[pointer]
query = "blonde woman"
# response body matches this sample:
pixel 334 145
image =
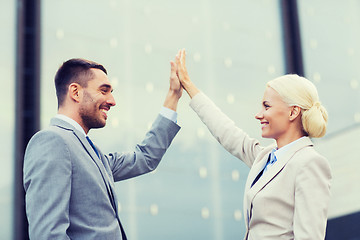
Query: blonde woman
pixel 288 186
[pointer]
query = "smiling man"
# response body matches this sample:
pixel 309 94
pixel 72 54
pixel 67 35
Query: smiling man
pixel 69 182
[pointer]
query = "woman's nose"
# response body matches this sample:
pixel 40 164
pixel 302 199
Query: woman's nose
pixel 259 115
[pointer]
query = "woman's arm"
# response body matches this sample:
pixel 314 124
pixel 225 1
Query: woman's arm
pixel 232 138
pixel 312 194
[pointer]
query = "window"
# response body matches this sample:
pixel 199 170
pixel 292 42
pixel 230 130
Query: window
pixel 233 49
pixel 7 120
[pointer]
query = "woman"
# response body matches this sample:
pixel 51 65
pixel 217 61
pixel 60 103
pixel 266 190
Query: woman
pixel 288 186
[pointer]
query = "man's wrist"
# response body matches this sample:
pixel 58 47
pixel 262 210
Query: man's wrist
pixel 169 114
pixel 174 93
pixel 172 99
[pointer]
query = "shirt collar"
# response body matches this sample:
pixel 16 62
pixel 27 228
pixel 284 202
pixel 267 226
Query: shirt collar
pixel 282 151
pixel 71 121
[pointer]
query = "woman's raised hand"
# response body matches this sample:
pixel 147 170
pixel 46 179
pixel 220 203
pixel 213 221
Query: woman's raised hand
pixel 183 75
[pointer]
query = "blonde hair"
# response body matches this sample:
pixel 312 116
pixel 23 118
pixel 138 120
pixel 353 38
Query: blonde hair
pixel 298 91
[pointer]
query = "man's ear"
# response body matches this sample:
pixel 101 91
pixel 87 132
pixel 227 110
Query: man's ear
pixel 294 113
pixel 75 91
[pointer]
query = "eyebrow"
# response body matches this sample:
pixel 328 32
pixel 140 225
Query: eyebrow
pixel 108 86
pixel 265 103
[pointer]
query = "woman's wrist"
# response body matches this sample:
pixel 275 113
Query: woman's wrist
pixel 191 89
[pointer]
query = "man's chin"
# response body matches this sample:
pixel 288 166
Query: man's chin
pixel 99 125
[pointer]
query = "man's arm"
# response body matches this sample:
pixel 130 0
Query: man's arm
pixel 47 183
pixel 148 154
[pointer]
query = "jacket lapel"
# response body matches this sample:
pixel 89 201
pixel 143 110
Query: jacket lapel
pixel 256 168
pixel 272 172
pixel 258 165
pixel 105 175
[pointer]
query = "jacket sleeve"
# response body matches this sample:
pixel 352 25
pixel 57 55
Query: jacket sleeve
pixel 47 181
pixel 232 138
pixel 146 155
pixel 312 194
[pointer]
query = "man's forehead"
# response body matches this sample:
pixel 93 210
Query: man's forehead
pixel 100 78
pixel 97 71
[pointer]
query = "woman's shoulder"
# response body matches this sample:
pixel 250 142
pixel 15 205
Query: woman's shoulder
pixel 308 159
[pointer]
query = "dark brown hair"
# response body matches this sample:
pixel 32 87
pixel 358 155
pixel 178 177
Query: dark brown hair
pixel 74 70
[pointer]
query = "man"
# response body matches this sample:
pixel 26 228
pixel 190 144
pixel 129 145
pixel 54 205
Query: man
pixel 69 182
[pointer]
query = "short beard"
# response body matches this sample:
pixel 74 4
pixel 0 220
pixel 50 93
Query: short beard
pixel 87 115
pixel 90 122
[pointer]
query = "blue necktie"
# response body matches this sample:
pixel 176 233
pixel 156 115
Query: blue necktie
pixel 271 160
pixel 123 235
pixel 93 146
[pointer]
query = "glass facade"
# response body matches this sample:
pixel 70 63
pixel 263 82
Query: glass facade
pixel 233 49
pixel 330 40
pixel 7 119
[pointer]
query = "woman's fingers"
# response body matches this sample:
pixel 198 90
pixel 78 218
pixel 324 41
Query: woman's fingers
pixel 183 57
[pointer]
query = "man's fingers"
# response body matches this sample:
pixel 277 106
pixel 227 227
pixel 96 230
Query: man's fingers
pixel 173 70
pixel 173 66
pixel 177 58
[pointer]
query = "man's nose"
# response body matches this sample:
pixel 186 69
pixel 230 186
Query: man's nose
pixel 111 100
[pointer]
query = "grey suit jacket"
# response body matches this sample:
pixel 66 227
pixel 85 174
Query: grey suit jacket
pixel 290 200
pixel 70 191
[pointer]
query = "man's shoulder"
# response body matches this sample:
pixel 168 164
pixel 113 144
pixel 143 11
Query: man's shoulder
pixel 51 133
pixel 51 130
pixel 47 144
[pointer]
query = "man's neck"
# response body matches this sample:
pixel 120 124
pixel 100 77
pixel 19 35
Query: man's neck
pixel 72 114
pixel 71 121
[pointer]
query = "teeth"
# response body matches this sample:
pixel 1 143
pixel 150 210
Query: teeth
pixel 104 110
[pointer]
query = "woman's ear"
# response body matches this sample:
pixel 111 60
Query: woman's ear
pixel 75 91
pixel 294 113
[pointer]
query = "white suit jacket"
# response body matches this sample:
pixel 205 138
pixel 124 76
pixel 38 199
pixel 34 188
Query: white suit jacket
pixel 290 200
